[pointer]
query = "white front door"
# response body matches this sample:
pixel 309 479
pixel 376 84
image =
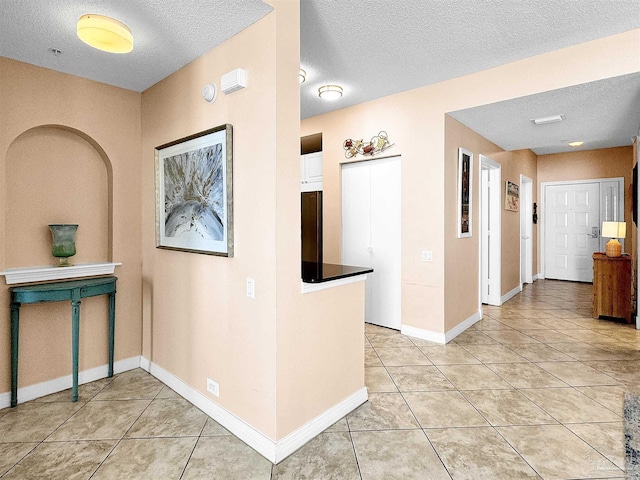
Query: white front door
pixel 371 225
pixel 572 226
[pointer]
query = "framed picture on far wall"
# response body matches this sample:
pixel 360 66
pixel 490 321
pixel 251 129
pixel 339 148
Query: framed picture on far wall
pixel 465 182
pixel 511 197
pixel 194 193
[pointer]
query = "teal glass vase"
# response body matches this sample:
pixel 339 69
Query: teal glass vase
pixel 64 242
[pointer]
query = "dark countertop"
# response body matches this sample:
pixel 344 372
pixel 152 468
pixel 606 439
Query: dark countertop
pixel 313 272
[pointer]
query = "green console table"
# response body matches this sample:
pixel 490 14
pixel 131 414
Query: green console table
pixel 72 291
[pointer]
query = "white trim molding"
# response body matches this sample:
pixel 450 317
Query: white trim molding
pixel 510 294
pixel 441 338
pixel 59 384
pixel 429 335
pixel 46 273
pixel 274 451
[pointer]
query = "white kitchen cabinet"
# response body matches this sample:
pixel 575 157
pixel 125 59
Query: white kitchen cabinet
pixel 311 172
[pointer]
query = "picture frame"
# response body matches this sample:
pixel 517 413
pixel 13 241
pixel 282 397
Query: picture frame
pixel 511 197
pixel 194 193
pixel 465 197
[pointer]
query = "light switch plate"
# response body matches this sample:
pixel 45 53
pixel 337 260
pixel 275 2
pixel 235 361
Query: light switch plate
pixel 427 256
pixel 251 288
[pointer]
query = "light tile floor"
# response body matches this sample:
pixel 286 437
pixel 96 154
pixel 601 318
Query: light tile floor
pixel 534 390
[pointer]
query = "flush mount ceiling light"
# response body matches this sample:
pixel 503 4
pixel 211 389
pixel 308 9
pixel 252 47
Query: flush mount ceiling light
pixel 576 144
pixel 105 33
pixel 545 120
pixel 330 92
pixel 302 76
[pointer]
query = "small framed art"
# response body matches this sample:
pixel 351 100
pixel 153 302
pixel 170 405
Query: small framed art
pixel 511 197
pixel 465 182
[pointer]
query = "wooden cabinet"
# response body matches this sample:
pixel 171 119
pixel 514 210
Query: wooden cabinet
pixel 612 286
pixel 311 172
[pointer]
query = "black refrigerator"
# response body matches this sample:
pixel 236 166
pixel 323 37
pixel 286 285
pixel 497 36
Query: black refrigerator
pixel 312 227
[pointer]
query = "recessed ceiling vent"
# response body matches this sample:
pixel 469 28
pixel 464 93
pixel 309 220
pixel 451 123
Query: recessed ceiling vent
pixel 550 119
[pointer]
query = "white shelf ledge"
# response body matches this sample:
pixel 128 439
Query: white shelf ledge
pixel 43 274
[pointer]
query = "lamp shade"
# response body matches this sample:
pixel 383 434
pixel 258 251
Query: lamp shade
pixel 614 229
pixel 105 33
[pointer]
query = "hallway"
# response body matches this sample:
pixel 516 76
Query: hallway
pixel 534 390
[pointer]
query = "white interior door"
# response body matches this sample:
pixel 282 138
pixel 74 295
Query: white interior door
pixel 572 226
pixel 371 226
pixel 356 223
pixel 490 231
pixel 526 229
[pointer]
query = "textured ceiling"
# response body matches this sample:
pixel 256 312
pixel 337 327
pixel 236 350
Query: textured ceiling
pixel 602 114
pixel 372 48
pixel 167 35
pixel 375 48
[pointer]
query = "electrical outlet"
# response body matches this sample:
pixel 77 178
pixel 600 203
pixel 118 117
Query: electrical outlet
pixel 427 256
pixel 251 288
pixel 213 387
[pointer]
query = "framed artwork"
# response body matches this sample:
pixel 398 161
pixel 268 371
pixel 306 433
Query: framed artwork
pixel 194 193
pixel 512 197
pixel 465 181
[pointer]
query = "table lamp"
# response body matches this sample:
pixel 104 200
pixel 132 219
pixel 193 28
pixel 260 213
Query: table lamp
pixel 614 230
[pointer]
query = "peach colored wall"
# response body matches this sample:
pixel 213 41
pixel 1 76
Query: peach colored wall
pixel 588 164
pixel 320 359
pixel 514 164
pixel 69 150
pixel 415 122
pixel 462 254
pixel 198 322
pixel 283 358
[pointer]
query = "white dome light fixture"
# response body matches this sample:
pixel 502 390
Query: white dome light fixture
pixel 330 92
pixel 105 33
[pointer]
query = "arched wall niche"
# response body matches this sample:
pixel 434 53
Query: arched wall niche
pixel 57 174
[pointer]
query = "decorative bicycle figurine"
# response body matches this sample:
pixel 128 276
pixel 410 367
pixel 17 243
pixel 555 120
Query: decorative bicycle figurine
pixel 378 144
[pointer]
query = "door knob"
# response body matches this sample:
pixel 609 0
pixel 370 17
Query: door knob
pixel 370 250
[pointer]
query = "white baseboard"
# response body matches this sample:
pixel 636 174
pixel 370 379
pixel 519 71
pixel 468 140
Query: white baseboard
pixel 423 334
pixel 59 384
pixel 441 337
pixel 461 327
pixel 509 295
pixel 145 364
pixel 309 430
pixel 536 277
pixel 267 447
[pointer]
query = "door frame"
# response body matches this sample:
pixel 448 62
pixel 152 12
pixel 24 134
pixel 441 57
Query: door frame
pixel 494 204
pixel 526 220
pixel 543 209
